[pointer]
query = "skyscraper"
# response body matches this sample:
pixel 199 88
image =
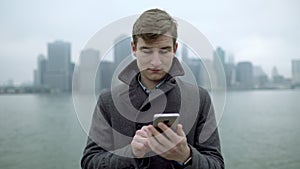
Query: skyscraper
pixel 122 49
pixel 105 71
pixel 58 73
pixel 184 53
pixel 89 60
pixel 296 72
pixel 219 66
pixel 220 53
pixel 244 75
pixel 230 74
pixel 39 77
pixel 198 67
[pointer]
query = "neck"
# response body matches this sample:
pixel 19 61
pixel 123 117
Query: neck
pixel 149 84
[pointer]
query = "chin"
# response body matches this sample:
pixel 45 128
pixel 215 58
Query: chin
pixel 156 77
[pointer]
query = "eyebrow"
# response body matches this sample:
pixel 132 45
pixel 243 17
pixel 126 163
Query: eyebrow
pixel 144 47
pixel 163 48
pixel 167 48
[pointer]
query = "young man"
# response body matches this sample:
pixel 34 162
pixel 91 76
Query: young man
pixel 122 135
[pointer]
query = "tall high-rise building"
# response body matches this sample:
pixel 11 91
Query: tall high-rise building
pixel 244 75
pixel 39 73
pixel 122 49
pixel 206 79
pixel 58 73
pixel 89 60
pixel 230 74
pixel 184 53
pixel 72 68
pixel 106 70
pixel 220 53
pixel 219 66
pixel 198 67
pixel 296 72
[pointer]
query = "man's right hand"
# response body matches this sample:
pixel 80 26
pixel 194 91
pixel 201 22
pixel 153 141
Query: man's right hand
pixel 139 143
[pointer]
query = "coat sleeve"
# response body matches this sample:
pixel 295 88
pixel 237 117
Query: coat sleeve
pixel 206 150
pixel 99 152
pixel 96 157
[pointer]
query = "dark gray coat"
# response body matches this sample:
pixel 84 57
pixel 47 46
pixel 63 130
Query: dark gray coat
pixel 126 108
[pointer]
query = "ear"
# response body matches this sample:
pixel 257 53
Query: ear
pixel 175 48
pixel 133 48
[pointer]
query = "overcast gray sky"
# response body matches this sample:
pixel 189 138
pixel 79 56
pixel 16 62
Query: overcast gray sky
pixel 263 32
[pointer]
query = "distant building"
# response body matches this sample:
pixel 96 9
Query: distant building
pixel 260 77
pixel 276 77
pixel 230 74
pixel 39 73
pixel 279 81
pixel 198 67
pixel 57 76
pixel 35 78
pixel 106 70
pixel 244 75
pixel 89 60
pixel 205 78
pixel 122 49
pixel 184 53
pixel 219 66
pixel 220 53
pixel 72 68
pixel 296 72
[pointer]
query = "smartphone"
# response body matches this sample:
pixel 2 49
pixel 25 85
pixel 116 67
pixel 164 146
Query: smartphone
pixel 170 119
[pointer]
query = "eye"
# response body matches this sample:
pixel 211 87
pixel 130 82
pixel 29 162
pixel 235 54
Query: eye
pixel 164 51
pixel 147 51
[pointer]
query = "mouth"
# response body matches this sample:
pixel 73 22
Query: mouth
pixel 154 70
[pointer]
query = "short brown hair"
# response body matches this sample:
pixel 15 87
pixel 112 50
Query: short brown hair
pixel 152 24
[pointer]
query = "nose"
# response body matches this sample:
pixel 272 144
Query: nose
pixel 155 59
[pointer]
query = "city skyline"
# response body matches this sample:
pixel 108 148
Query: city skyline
pixel 222 54
pixel 55 71
pixel 263 32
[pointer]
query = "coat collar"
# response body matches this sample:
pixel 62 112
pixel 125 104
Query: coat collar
pixel 131 71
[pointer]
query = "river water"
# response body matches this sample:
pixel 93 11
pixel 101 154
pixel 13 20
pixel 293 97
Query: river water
pixel 259 130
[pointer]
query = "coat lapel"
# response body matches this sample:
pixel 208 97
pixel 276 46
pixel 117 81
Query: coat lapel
pixel 135 98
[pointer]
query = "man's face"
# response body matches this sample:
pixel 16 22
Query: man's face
pixel 154 59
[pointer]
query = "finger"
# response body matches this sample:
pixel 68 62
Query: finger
pixel 138 145
pixel 158 148
pixel 168 132
pixel 144 128
pixel 160 138
pixel 138 149
pixel 141 133
pixel 180 131
pixel 141 140
pixel 152 131
pixel 155 146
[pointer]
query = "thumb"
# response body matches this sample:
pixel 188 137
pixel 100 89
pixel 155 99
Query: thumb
pixel 180 131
